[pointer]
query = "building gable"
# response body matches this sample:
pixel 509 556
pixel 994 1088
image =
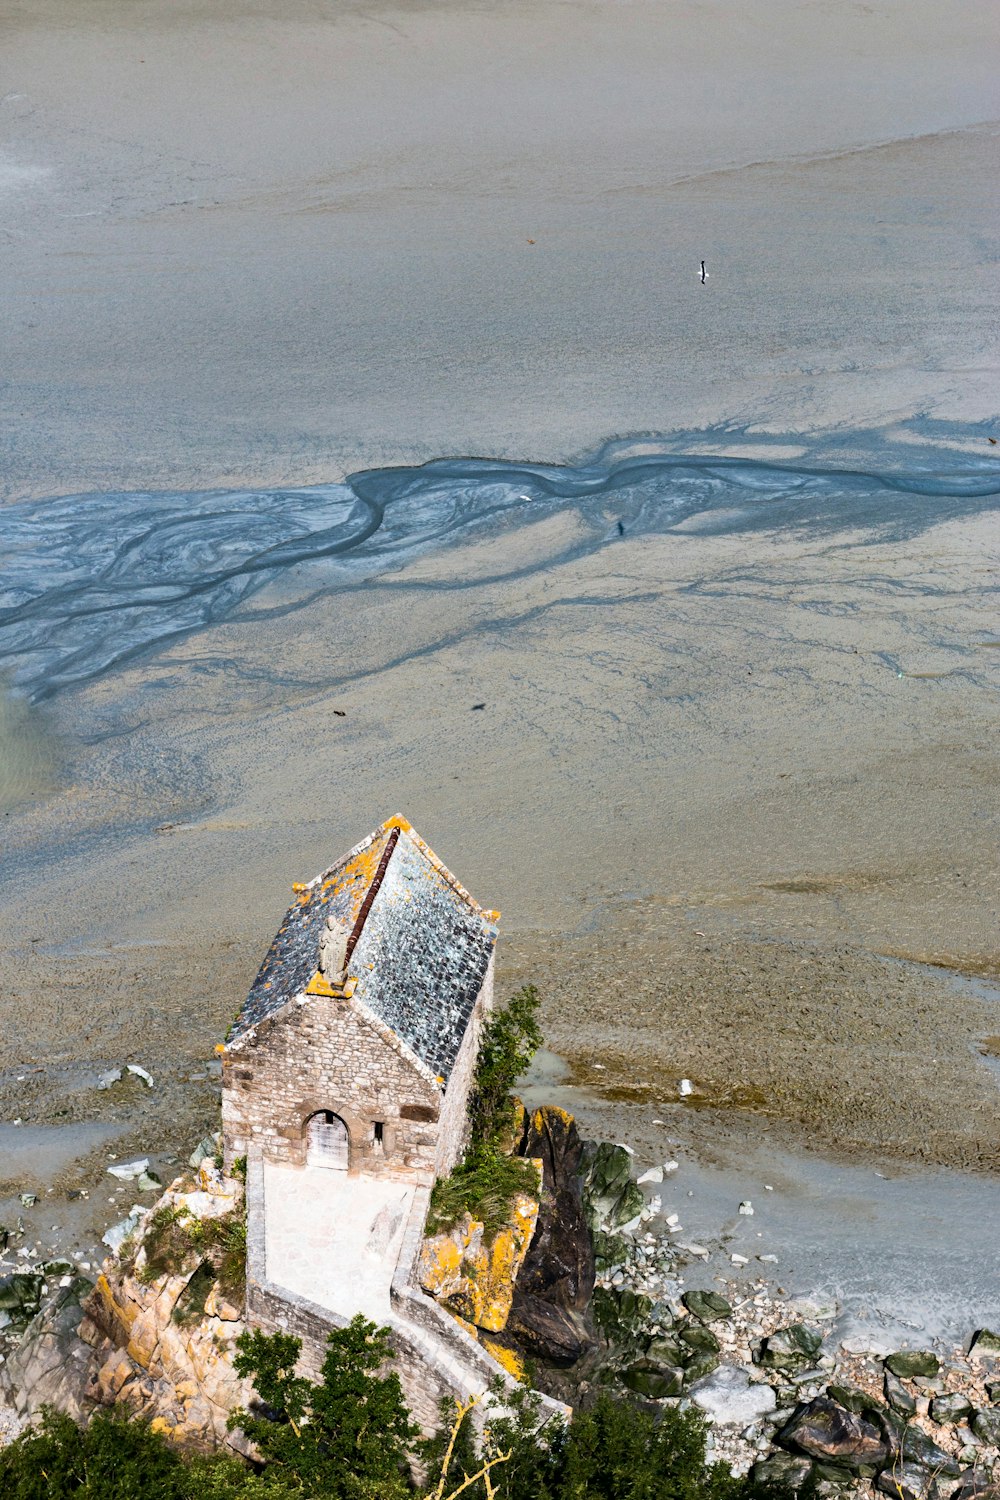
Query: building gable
pixel 417 945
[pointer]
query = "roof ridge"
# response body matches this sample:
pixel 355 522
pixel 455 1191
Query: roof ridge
pixel 398 821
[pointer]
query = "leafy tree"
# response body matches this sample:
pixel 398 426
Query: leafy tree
pixel 346 1438
pixel 112 1456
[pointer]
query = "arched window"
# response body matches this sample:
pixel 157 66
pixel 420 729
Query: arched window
pixel 327 1141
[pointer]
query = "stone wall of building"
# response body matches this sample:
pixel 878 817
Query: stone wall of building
pixel 453 1128
pixel 325 1054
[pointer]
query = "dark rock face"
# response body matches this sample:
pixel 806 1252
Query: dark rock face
pixel 555 1335
pixel 824 1430
pixel 549 1313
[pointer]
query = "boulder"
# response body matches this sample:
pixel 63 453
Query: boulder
pixel 913 1363
pixel 665 1351
pixel 986 1425
pixel 950 1408
pixel 790 1349
pixel 783 1470
pixel 731 1399
pixel 976 1484
pixel 653 1380
pixel 898 1396
pixel 985 1344
pixel 605 1169
pixel 707 1307
pixel 824 1430
pixel 621 1314
pixel 701 1363
pixel 851 1397
pixel 919 1448
pixel 905 1481
pixel 697 1337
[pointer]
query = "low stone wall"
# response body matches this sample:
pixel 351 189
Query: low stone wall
pixel 435 1357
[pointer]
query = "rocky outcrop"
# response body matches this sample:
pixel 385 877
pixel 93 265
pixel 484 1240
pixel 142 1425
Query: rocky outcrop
pixel 474 1277
pixel 50 1366
pixel 156 1338
pixel 161 1327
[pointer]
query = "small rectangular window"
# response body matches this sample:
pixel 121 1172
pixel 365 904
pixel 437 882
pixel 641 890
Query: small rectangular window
pixel 378 1133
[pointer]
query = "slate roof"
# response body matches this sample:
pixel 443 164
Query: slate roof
pixel 421 944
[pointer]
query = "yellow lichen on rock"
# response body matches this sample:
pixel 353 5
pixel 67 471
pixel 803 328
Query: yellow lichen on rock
pixel 510 1361
pixel 475 1281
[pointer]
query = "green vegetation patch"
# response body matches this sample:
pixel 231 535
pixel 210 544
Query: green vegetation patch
pixel 489 1178
pixel 174 1239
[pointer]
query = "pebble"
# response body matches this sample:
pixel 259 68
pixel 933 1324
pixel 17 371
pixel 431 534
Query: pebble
pixel 746 1208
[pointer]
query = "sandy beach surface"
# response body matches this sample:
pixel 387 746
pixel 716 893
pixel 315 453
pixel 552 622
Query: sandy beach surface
pixel 734 788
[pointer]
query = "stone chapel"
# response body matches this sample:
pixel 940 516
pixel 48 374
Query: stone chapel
pixel 356 1046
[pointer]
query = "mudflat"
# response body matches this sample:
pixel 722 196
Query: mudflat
pixel 734 790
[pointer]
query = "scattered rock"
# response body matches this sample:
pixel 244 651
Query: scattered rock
pixel 953 1407
pixel 730 1397
pixel 910 1363
pixel 985 1344
pixel 138 1072
pixel 108 1079
pixel 651 1174
pixel 898 1396
pixel 116 1236
pixel 746 1208
pixel 127 1171
pixel 205 1148
pixel 707 1307
pixel 791 1349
